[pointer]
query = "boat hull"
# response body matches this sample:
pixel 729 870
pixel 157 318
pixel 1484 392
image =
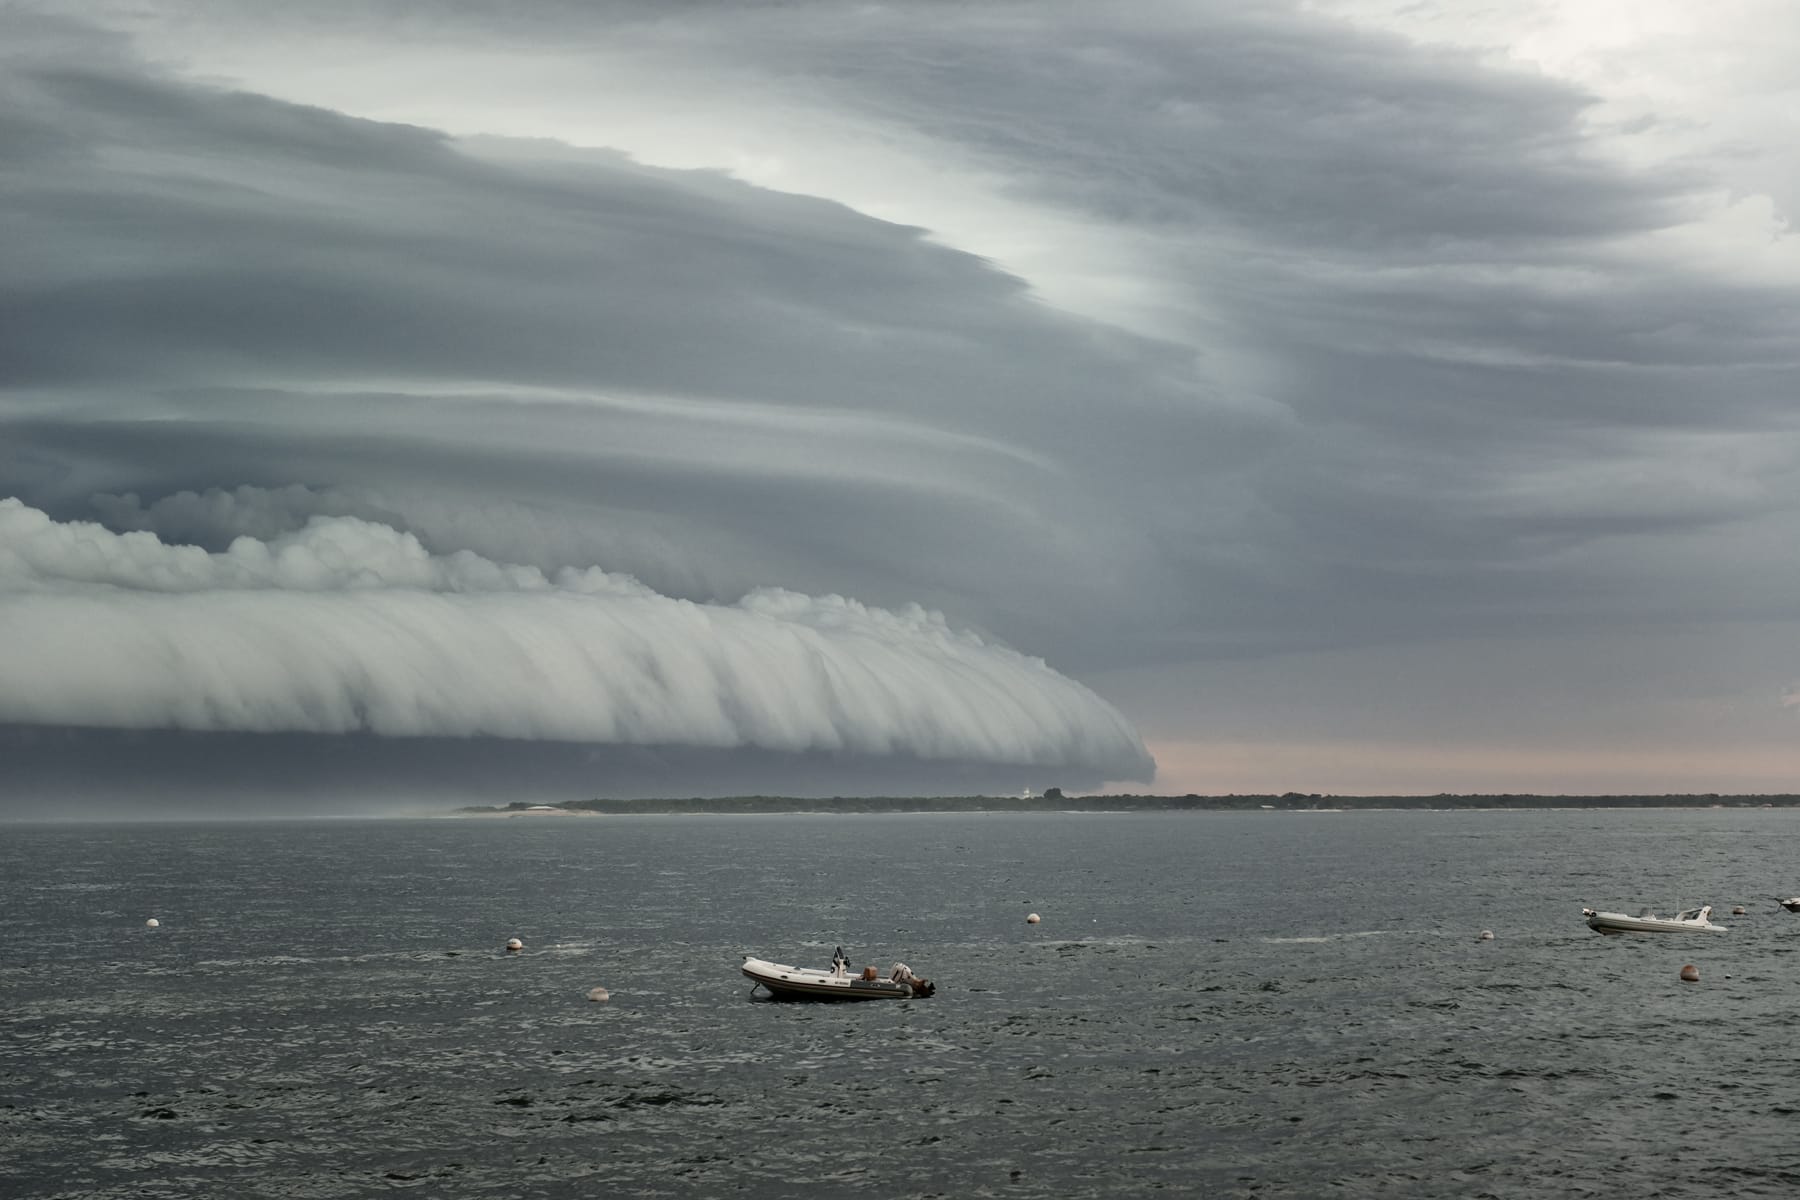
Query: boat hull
pixel 1618 924
pixel 804 983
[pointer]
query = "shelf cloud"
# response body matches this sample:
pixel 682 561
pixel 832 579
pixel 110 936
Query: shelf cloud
pixel 347 627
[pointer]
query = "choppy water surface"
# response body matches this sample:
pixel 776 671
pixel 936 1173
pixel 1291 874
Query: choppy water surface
pixel 1214 1004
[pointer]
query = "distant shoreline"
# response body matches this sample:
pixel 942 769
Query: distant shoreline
pixel 1056 802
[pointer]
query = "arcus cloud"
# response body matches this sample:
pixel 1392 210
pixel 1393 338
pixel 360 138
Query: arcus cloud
pixel 348 626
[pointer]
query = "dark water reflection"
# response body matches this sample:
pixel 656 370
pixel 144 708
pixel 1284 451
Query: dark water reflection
pixel 1215 1004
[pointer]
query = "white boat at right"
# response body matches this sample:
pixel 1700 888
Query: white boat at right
pixel 1692 920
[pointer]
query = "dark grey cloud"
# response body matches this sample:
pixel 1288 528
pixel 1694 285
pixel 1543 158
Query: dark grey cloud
pixel 1252 119
pixel 1425 361
pixel 688 328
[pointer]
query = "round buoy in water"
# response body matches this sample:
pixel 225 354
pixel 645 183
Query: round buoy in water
pixel 514 945
pixel 600 994
pixel 152 923
pixel 1032 919
pixel 1737 910
pixel 1486 935
pixel 1690 974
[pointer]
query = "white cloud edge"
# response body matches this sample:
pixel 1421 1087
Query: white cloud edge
pixel 348 625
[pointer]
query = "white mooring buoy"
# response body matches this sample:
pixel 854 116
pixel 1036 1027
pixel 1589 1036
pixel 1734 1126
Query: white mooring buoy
pixel 152 923
pixel 514 945
pixel 600 995
pixel 1032 919
pixel 1486 935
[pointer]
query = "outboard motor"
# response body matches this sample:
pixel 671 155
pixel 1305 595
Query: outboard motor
pixel 904 974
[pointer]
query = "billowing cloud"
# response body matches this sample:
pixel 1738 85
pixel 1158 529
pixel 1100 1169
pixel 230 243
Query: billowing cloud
pixel 706 384
pixel 349 627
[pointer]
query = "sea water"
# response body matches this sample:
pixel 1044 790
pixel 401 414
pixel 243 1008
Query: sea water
pixel 1214 1004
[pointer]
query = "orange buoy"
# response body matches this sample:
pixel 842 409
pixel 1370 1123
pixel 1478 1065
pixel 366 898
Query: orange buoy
pixel 1690 974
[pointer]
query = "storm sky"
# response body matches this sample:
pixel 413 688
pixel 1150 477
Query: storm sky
pixel 623 399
